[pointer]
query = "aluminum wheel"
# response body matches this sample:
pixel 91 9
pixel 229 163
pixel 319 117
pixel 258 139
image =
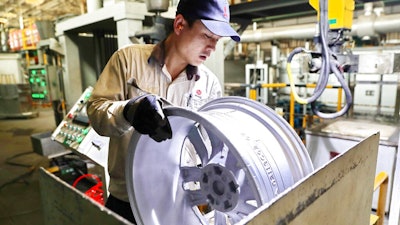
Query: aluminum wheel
pixel 224 161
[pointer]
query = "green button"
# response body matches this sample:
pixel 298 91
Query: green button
pixel 79 139
pixel 85 131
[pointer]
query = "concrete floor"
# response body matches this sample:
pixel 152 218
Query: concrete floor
pixel 20 201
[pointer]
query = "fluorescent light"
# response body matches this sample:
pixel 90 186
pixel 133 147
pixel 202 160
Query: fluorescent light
pixel 34 2
pixel 3 20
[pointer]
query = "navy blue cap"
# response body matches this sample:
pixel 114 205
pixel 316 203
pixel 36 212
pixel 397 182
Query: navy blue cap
pixel 214 14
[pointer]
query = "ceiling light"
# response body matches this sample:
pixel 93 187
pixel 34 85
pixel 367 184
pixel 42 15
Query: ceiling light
pixel 8 15
pixel 3 20
pixel 34 2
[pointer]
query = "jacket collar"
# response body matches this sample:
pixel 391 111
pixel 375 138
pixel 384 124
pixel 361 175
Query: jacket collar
pixel 157 57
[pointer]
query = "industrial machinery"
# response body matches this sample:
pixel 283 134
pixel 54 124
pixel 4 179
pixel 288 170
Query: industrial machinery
pixel 15 101
pixel 15 97
pixel 161 26
pixel 335 17
pixel 76 133
pixel 225 161
pixel 44 82
pixel 376 88
pixel 371 72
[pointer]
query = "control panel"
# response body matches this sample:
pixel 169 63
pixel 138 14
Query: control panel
pixel 76 133
pixel 44 83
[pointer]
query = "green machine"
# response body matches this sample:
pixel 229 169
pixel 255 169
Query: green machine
pixel 44 82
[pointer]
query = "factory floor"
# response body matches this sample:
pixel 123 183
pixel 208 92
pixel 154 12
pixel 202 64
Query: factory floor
pixel 20 201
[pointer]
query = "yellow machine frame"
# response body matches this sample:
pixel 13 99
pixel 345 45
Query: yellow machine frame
pixel 340 13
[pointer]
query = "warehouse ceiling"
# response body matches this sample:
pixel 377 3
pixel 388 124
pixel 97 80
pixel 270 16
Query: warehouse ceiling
pixel 11 11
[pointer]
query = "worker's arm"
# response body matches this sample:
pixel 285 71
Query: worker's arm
pixel 109 97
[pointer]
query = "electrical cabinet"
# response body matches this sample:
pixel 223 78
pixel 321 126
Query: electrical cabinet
pixel 44 83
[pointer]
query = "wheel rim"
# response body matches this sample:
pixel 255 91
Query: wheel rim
pixel 224 161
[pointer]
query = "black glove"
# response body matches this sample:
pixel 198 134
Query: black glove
pixel 146 115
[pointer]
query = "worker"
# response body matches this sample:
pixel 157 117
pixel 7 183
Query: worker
pixel 141 79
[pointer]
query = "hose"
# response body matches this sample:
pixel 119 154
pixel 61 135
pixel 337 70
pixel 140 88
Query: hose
pixel 326 67
pixel 320 86
pixel 347 93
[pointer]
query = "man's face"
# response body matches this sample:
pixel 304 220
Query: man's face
pixel 197 43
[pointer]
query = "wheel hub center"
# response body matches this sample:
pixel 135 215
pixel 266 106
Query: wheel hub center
pixel 220 187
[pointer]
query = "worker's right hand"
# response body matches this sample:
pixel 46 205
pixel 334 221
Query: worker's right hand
pixel 146 115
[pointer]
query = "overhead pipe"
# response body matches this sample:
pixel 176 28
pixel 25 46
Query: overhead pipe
pixel 363 26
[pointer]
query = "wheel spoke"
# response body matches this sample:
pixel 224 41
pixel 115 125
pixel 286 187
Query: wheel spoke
pixel 220 157
pixel 220 218
pixel 190 173
pixel 198 142
pixel 207 144
pixel 246 193
pixel 240 178
pixel 234 217
pixel 244 208
pixel 196 197
pixel 216 144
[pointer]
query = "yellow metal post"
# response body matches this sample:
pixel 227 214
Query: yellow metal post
pixel 291 109
pixel 381 182
pixel 339 101
pixel 253 94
